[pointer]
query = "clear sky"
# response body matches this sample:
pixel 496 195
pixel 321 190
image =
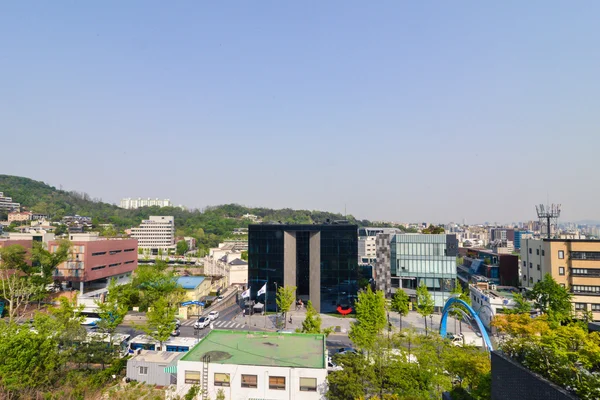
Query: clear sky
pixel 400 110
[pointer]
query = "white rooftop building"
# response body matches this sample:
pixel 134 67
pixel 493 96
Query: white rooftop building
pixel 157 232
pixel 129 203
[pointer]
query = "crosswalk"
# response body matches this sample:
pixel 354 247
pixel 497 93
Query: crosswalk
pixel 217 324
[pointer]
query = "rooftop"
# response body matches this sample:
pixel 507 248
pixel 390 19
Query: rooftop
pixel 162 357
pixel 190 282
pixel 298 350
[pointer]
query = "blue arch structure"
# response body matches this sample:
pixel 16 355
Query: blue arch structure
pixel 448 306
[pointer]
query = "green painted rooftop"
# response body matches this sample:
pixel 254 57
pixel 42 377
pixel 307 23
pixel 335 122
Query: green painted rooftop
pixel 298 350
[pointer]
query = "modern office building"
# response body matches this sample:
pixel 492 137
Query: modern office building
pixel 256 365
pixel 321 261
pixel 7 204
pixel 574 264
pixel 157 232
pixel 406 260
pixel 367 249
pixel 130 203
pixel 95 260
pixel 519 235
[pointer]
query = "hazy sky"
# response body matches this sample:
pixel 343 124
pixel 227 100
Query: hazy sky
pixel 402 110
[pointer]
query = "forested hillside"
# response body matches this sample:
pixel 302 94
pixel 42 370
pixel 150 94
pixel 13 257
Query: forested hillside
pixel 208 226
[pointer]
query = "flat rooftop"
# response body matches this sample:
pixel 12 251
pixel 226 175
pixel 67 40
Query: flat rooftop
pixel 297 350
pixel 161 357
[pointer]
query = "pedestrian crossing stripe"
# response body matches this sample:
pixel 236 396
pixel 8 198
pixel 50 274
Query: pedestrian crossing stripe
pixel 216 324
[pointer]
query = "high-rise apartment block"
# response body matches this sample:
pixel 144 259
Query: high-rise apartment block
pixel 574 264
pixel 95 260
pixel 407 260
pixel 321 261
pixel 7 204
pixel 155 233
pixel 130 203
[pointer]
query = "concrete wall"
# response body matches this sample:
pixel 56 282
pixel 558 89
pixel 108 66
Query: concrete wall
pixel 235 391
pixel 289 259
pixel 156 373
pixel 315 269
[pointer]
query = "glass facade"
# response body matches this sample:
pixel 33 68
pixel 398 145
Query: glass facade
pixel 417 258
pixel 338 255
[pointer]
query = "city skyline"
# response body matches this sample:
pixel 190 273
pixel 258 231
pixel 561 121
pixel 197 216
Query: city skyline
pixel 390 111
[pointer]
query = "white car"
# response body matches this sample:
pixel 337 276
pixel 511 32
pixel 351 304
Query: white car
pixel 213 315
pixel 202 323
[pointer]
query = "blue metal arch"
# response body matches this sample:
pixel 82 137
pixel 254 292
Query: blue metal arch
pixel 444 321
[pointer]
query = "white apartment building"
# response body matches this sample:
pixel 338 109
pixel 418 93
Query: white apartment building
pixel 256 365
pixel 130 203
pixel 7 204
pixel 155 233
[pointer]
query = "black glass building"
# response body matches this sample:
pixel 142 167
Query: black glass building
pixel 321 261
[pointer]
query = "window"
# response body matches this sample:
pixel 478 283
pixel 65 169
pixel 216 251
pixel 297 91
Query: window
pixel 595 307
pixel 143 370
pixel 538 267
pixel 277 382
pixel 249 381
pixel 580 306
pixel 525 278
pixel 530 265
pixel 543 253
pixel 97 268
pixel 100 253
pixel 561 254
pixel 562 285
pixel 594 290
pixel 585 255
pixel 537 252
pixel 525 263
pixel 192 377
pixel 530 250
pixel 561 270
pixel 308 384
pixel 530 280
pixel 222 379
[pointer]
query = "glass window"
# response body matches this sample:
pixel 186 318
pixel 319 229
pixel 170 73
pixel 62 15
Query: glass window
pixel 537 252
pixel 595 307
pixel 561 254
pixel 561 270
pixel 143 370
pixel 221 379
pixel 277 382
pixel 580 306
pixel 543 253
pixel 249 381
pixel 192 377
pixel 538 267
pixel 530 250
pixel 308 384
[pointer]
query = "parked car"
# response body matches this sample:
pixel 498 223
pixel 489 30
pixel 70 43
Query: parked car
pixel 177 323
pixel 176 332
pixel 202 323
pixel 219 298
pixel 345 350
pixel 213 315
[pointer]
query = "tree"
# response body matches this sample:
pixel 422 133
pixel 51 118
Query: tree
pixel 15 286
pixel 49 260
pixel 552 299
pixel 312 321
pixel 182 247
pixel 111 312
pixel 286 295
pixel 425 303
pixel 522 305
pixel 400 303
pixel 244 255
pixel 370 318
pixel 161 320
pixel 433 230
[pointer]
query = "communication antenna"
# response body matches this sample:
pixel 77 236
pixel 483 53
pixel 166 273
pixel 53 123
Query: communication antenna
pixel 548 216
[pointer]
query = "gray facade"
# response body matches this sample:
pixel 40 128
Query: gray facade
pixel 383 272
pixel 149 367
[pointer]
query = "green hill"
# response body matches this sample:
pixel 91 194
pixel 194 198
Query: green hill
pixel 208 227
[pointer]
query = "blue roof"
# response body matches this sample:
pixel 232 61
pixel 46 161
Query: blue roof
pixel 190 282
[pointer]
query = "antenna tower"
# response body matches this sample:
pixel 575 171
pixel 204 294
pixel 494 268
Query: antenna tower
pixel 548 216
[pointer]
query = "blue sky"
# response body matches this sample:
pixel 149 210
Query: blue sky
pixel 401 111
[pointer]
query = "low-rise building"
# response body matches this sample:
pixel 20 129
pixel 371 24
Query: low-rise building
pixel 94 260
pixel 196 288
pixel 265 365
pixel 238 272
pixel 574 264
pixel 157 233
pixel 19 216
pixel 7 204
pixel 488 300
pixel 151 367
pixel 497 268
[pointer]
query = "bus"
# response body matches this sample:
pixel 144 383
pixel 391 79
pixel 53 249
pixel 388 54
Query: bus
pixel 119 340
pixel 173 344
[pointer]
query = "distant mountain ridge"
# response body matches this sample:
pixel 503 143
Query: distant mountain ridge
pixel 209 226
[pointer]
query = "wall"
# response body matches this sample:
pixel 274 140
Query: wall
pixel 511 381
pixel 156 373
pixel 236 392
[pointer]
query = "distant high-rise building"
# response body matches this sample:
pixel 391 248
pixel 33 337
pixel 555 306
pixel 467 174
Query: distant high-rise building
pixel 130 203
pixel 157 232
